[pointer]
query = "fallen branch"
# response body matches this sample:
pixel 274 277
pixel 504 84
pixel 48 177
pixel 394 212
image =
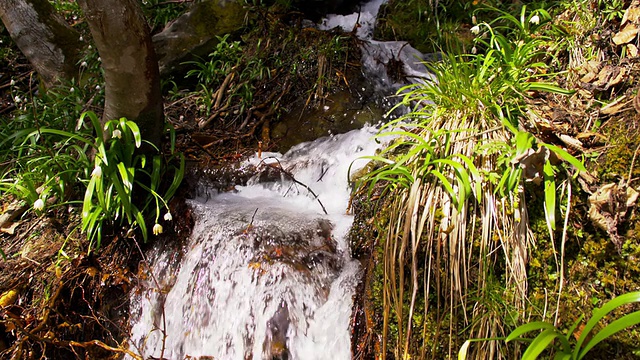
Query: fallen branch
pixel 292 178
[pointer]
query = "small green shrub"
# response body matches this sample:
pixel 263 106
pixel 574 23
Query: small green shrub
pixel 50 167
pixel 119 169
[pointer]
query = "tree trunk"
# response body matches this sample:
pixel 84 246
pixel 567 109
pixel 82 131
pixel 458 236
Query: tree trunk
pixel 132 80
pixel 43 36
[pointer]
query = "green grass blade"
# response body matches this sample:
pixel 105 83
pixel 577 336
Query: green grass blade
pixel 610 330
pixel 542 342
pixel 550 194
pixel 603 311
pixel 564 155
pixel 527 328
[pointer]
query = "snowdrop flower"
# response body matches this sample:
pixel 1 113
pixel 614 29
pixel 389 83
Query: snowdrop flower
pixel 98 87
pixel 38 204
pixel 475 30
pixel 97 172
pixel 157 229
pixel 116 134
pixel 474 50
pixel 535 19
pixel 99 59
pixel 81 38
pixel 72 90
pixel 83 64
pixel 168 216
pixel 13 82
pixel 474 20
pixel 17 100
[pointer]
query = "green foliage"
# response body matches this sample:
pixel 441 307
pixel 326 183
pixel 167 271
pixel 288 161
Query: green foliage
pixel 566 348
pixel 465 150
pixel 47 163
pixel 428 26
pixel 120 171
pixel 424 158
pixel 159 12
pixel 226 56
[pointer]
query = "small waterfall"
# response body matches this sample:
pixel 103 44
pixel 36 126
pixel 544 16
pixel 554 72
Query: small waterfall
pixel 266 274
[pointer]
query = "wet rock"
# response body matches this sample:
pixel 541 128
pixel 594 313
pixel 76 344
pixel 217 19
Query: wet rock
pixel 275 343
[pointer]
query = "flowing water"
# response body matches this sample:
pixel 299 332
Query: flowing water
pixel 267 272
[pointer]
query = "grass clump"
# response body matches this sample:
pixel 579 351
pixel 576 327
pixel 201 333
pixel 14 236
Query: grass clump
pixel 465 152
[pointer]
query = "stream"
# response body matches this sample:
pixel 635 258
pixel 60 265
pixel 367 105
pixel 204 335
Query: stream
pixel 267 272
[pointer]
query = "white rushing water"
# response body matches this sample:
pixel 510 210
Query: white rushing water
pixel 266 273
pixel 265 269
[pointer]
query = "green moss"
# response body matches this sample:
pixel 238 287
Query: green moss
pixel 594 270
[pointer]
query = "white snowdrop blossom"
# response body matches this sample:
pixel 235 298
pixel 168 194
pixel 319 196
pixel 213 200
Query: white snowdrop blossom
pixel 535 19
pixel 168 216
pixel 38 204
pixel 17 100
pixel 13 82
pixel 98 87
pixel 474 50
pixel 157 229
pixel 97 172
pixel 83 64
pixel 475 30
pixel 474 20
pixel 72 90
pixel 81 38
pixel 116 134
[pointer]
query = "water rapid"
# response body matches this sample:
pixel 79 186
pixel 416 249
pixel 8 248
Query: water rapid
pixel 266 273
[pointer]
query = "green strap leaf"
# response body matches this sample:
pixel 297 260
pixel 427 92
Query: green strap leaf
pixel 527 328
pixel 603 311
pixel 611 329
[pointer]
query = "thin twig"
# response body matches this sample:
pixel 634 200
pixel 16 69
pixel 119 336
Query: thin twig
pixel 633 162
pixel 292 178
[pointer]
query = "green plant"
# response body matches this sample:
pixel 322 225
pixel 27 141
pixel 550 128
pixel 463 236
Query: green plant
pixel 462 154
pixel 566 347
pixel 123 186
pixel 222 60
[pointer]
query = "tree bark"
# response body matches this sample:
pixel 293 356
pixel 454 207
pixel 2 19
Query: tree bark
pixel 44 37
pixel 132 79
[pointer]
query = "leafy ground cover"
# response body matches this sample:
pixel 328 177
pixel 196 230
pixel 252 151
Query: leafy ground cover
pixel 510 198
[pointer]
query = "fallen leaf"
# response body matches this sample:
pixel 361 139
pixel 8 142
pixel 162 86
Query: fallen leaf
pixel 625 35
pixel 10 227
pixel 8 297
pixel 619 76
pixel 632 14
pixel 590 70
pixel 632 50
pixel 608 207
pixel 571 142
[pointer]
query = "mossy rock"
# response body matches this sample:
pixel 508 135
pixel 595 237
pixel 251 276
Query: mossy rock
pixel 196 32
